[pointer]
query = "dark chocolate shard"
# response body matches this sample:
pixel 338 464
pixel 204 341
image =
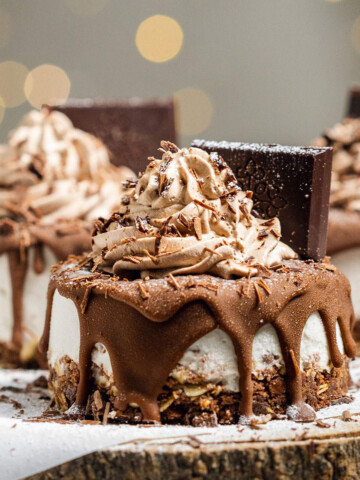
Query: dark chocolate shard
pixel 131 129
pixel 292 183
pixel 353 106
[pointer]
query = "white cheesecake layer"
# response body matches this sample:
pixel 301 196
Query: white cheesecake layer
pixel 34 298
pixel 348 262
pixel 212 357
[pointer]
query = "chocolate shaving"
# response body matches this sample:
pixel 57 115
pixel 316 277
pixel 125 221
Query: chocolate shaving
pixel 86 299
pixel 181 219
pixel 143 292
pixel 98 227
pixel 197 228
pixel 244 289
pixel 258 293
pixel 210 250
pixel 96 264
pixel 127 240
pixel 132 259
pixel 295 364
pixel 152 258
pixel 83 277
pixel 143 224
pixel 276 234
pixel 346 416
pixel 204 205
pixel 264 286
pixel 208 286
pixel 169 146
pixel 263 234
pixel 130 183
pixel 173 281
pixel 268 223
pixel 322 424
pixel 165 254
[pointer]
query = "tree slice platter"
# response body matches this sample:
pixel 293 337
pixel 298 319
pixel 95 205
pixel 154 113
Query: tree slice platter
pixel 45 448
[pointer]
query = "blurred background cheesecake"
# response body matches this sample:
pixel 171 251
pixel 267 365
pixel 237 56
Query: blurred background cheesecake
pixel 54 181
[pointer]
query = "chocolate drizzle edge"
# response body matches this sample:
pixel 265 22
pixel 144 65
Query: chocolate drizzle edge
pixel 146 337
pixel 12 244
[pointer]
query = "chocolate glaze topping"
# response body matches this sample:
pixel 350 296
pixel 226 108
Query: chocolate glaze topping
pixel 147 325
pixel 16 238
pixel 54 181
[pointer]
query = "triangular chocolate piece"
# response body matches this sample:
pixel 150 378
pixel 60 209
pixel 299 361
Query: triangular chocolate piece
pixel 292 183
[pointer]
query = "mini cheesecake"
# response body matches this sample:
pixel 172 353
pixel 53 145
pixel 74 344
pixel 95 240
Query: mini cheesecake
pixel 54 181
pixel 189 310
pixel 344 217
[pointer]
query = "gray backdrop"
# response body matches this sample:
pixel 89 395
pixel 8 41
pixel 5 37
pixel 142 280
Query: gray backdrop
pixel 275 70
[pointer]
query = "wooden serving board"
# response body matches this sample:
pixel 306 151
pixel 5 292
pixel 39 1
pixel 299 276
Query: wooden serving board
pixel 280 449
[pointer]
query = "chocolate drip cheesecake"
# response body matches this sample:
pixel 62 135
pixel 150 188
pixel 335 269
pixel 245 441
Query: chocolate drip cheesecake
pixel 344 217
pixel 191 310
pixel 54 181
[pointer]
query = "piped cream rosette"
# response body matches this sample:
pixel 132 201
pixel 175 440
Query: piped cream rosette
pixel 58 170
pixel 187 215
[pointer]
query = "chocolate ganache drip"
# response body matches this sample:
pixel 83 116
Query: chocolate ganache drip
pixel 187 216
pixel 54 181
pixel 147 325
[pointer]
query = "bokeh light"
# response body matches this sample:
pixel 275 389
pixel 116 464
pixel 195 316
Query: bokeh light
pixel 194 111
pixel 355 34
pixel 86 8
pixel 12 78
pixel 5 27
pixel 159 38
pixel 2 109
pixel 47 84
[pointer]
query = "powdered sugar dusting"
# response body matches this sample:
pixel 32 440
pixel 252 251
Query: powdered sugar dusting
pixel 28 447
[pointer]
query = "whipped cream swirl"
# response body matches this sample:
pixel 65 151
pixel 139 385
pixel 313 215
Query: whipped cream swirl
pixel 187 215
pixel 58 170
pixel 344 137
